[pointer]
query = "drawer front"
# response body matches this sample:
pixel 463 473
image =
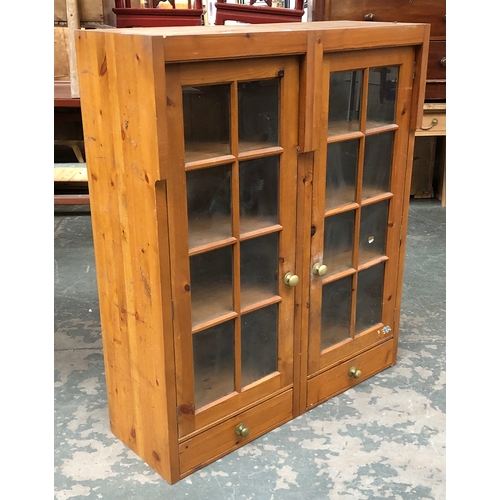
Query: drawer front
pixel 416 11
pixel 337 379
pixel 221 439
pixel 432 124
pixel 435 90
pixel 436 67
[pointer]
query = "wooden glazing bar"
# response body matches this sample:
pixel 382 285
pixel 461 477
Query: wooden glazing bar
pixel 378 128
pixel 260 152
pixel 377 198
pixel 212 246
pixel 372 262
pixel 348 207
pixel 261 232
pixel 344 137
pixel 213 322
pixel 260 304
pixel 338 276
pixel 210 162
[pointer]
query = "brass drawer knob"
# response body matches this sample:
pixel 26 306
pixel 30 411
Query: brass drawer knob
pixel 369 17
pixel 291 279
pixel 354 372
pixel 242 430
pixel 320 269
pixel 442 62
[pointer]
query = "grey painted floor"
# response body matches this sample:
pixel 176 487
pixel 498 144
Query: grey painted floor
pixel 383 439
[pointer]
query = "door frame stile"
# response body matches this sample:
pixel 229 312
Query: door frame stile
pixel 311 117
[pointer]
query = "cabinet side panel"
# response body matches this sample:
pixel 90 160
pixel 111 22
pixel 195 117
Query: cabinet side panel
pixel 119 76
pixel 96 116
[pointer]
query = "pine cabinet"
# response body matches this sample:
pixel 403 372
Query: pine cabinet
pixel 249 192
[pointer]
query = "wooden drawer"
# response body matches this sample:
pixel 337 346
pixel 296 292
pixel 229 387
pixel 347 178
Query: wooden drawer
pixel 337 379
pixel 436 66
pixel 433 120
pixel 416 11
pixel 215 442
pixel 435 90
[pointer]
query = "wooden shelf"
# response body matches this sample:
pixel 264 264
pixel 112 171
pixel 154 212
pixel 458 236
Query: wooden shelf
pixel 62 95
pixel 70 178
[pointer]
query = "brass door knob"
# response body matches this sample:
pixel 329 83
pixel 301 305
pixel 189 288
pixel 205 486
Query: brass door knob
pixel 242 430
pixel 291 279
pixel 320 269
pixel 354 372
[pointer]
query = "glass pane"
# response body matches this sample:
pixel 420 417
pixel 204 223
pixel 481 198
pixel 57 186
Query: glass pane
pixel 258 114
pixel 213 358
pixel 209 204
pixel 336 312
pixel 341 169
pixel 211 284
pixel 337 252
pixel 373 231
pixel 382 87
pixel 259 193
pixel 377 164
pixel 259 344
pixel 344 104
pixel 206 121
pixel 259 269
pixel 369 299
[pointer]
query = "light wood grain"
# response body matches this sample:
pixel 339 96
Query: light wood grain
pixel 142 408
pixel 131 90
pixel 70 174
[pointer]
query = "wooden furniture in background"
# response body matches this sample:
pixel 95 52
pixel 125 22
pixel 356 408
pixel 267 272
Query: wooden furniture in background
pixel 249 210
pixel 257 14
pixel 70 186
pixel 129 17
pixel 429 170
pixel 73 13
pixel 429 161
pixel 92 13
pixel 432 12
pixel 70 179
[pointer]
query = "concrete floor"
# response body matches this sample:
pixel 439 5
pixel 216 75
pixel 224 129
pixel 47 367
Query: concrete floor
pixel 383 439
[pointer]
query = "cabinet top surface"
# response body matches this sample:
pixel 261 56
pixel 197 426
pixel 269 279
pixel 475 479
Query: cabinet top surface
pixel 197 43
pixel 176 31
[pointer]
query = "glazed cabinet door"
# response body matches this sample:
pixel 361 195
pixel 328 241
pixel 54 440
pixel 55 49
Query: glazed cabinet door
pixel 357 206
pixel 231 215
